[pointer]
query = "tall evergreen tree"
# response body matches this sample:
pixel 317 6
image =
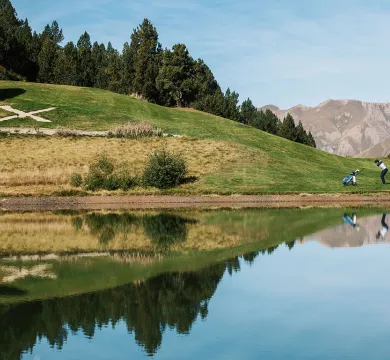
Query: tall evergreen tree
pixel 47 59
pixel 114 69
pixel 176 76
pixel 231 110
pixel 310 140
pixel 65 71
pixel 14 40
pixel 287 129
pixel 300 134
pixel 84 61
pixel 54 32
pixel 99 64
pixel 145 50
pixel 128 71
pixel 272 123
pixel 248 112
pixel 204 80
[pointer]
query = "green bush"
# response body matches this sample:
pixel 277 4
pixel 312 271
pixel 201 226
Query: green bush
pixel 165 170
pixel 99 173
pixel 76 180
pixel 103 174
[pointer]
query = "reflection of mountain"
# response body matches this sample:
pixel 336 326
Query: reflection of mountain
pixel 173 300
pixel 347 236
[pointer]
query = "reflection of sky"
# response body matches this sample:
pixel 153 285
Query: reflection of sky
pixel 308 303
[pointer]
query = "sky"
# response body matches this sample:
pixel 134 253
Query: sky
pixel 281 52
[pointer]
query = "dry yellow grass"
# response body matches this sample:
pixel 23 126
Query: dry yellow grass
pixel 51 233
pixel 45 164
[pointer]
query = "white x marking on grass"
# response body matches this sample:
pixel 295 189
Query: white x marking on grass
pixel 21 114
pixel 14 273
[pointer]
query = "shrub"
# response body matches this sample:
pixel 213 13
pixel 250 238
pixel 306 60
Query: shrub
pixel 135 131
pixel 65 132
pixel 76 180
pixel 124 179
pixel 165 170
pixel 103 174
pixel 99 174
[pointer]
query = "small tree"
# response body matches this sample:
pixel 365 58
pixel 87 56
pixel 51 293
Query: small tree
pixel 165 170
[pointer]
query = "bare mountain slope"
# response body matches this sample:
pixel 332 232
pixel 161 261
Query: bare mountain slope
pixel 343 127
pixel 380 150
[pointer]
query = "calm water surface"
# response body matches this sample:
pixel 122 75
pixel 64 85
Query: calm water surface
pixel 297 294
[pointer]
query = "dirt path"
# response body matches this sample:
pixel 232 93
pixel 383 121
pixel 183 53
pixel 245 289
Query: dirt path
pixel 117 202
pixel 50 132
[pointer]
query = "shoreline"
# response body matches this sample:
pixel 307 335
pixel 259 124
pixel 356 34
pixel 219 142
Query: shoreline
pixel 150 202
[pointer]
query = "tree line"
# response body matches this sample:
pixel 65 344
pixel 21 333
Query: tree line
pixel 168 77
pixel 172 300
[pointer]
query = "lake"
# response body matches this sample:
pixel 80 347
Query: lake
pixel 216 284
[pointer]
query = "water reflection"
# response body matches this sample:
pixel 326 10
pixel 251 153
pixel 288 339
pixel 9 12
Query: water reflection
pixel 164 229
pixel 173 300
pixel 355 232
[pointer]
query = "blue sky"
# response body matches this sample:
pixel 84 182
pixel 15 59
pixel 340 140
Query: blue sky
pixel 280 52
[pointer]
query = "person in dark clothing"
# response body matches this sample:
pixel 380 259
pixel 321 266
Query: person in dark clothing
pixel 380 164
pixel 385 228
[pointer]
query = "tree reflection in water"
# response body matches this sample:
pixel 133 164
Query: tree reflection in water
pixel 164 229
pixel 174 300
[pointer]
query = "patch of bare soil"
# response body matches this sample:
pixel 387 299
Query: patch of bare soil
pixel 119 202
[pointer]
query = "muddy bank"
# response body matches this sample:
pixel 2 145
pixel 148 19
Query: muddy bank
pixel 117 202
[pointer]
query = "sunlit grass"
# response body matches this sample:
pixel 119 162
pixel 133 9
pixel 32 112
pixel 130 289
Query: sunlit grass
pixel 234 158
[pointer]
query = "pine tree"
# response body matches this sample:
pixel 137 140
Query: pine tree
pixel 287 129
pixel 47 60
pixel 65 71
pixel 248 112
pixel 145 50
pixel 176 76
pixel 310 140
pixel 84 61
pixel 204 81
pixel 231 110
pixel 128 71
pixel 14 54
pixel 114 69
pixel 213 104
pixel 53 32
pixel 271 122
pixel 300 134
pixel 99 58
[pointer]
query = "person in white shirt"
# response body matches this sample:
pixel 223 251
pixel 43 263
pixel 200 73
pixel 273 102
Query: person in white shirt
pixel 384 169
pixel 385 228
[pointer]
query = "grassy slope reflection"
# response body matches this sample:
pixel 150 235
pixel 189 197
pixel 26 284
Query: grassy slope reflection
pixel 141 245
pixel 174 300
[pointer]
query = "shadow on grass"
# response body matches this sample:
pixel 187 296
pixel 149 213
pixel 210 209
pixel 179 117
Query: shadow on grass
pixel 189 180
pixel 10 93
pixel 11 291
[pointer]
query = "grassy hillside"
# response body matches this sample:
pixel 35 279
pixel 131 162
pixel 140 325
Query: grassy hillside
pixel 239 159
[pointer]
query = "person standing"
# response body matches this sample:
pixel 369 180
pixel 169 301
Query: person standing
pixel 384 169
pixel 385 228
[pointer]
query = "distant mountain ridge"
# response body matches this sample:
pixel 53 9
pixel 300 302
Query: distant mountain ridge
pixel 343 127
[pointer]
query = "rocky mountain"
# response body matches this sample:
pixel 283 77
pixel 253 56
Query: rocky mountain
pixel 343 127
pixel 380 150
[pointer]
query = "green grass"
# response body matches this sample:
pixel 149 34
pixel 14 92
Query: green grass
pixel 277 165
